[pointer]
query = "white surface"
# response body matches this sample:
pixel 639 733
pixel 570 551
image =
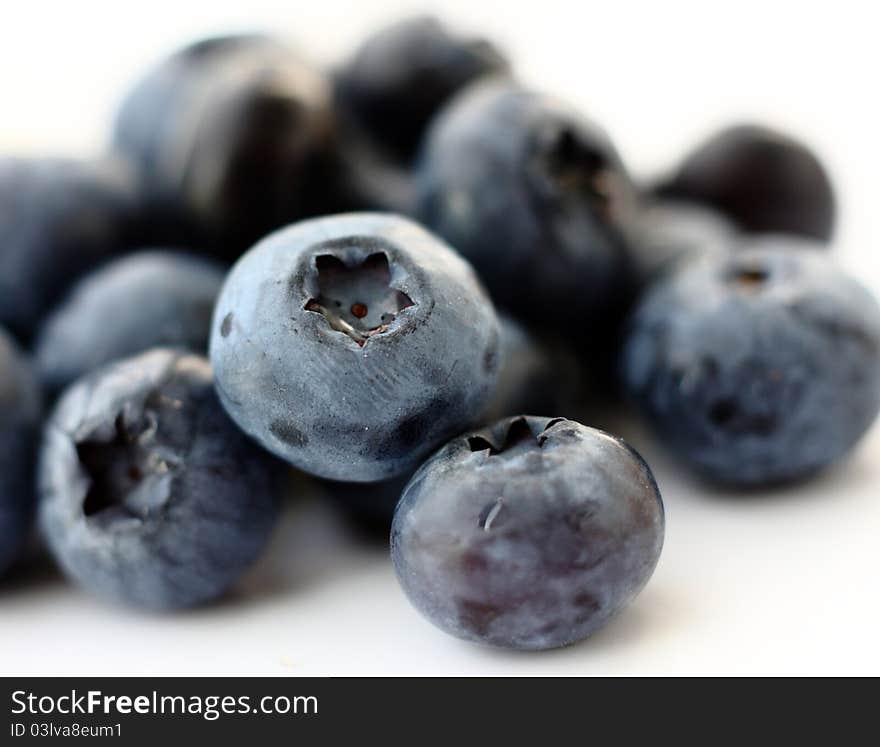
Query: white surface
pixel 785 583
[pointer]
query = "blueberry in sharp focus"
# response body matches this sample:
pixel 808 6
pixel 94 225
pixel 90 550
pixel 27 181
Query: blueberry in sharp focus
pixel 153 298
pixel 536 197
pixel 226 136
pixel 763 180
pixel 58 219
pixel 760 366
pixel 149 494
pixel 529 534
pixel 353 345
pixel 402 75
pixel 19 424
pixel 668 233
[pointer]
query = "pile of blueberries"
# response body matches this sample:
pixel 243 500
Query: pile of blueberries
pixel 277 267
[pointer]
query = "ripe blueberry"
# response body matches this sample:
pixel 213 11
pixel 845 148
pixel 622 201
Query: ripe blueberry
pixel 763 180
pixel 353 345
pixel 536 198
pixel 402 75
pixel 225 135
pixel 145 300
pixel 759 366
pixel 149 494
pixel 529 534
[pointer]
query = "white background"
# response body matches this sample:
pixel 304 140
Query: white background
pixel 783 583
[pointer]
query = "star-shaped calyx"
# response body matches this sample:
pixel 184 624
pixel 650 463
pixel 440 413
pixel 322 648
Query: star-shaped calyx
pixel 516 434
pixel 357 301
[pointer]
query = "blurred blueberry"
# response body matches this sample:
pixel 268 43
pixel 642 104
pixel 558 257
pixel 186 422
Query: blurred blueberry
pixel 155 298
pixel 536 197
pixel 19 425
pixel 149 494
pixel 353 345
pixel 58 219
pixel 760 366
pixel 403 74
pixel 529 534
pixel 225 136
pixel 763 180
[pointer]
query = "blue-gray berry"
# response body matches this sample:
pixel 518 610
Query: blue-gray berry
pixel 759 366
pixel 155 298
pixel 354 345
pixel 529 534
pixel 149 494
pixel 536 197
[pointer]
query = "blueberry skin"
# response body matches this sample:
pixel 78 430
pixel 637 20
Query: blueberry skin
pixel 58 219
pixel 529 534
pixel 153 298
pixel 759 367
pixel 348 397
pixel 671 232
pixel 19 425
pixel 149 495
pixel 402 75
pixel 225 137
pixel 533 195
pixel 763 180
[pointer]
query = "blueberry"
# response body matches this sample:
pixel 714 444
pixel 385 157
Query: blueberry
pixel 760 366
pixel 225 135
pixel 670 232
pixel 353 345
pixel 402 75
pixel 19 423
pixel 58 219
pixel 763 180
pixel 535 197
pixel 149 495
pixel 529 534
pixel 145 300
